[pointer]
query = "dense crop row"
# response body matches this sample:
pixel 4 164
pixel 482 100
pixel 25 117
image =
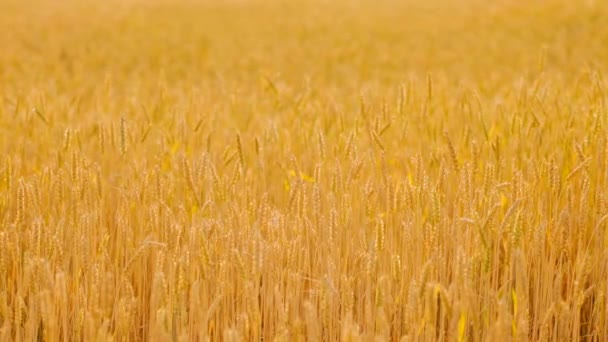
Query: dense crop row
pixel 239 170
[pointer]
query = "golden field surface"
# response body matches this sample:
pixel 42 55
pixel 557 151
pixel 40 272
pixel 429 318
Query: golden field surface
pixel 233 170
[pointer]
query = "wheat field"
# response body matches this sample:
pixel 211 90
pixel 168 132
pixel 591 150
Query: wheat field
pixel 248 170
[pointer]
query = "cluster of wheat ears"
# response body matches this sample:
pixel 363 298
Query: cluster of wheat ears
pixel 303 170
